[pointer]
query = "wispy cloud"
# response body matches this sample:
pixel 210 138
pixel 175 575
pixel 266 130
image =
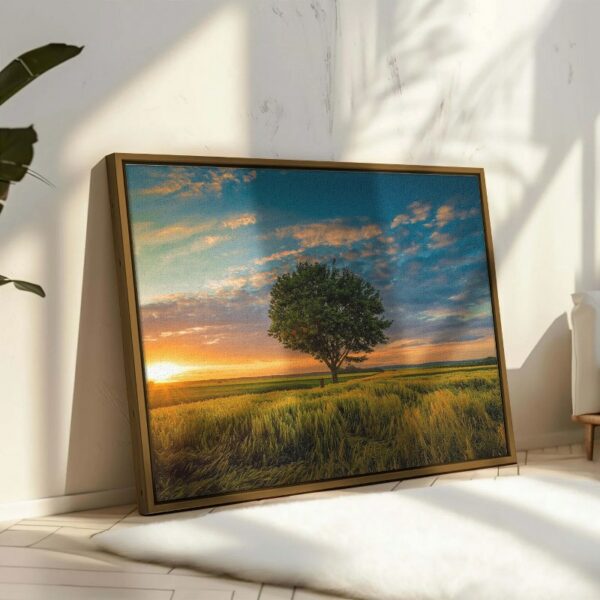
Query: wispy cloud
pixel 253 281
pixel 147 233
pixel 240 221
pixel 411 249
pixel 461 297
pixel 440 240
pixel 417 213
pixel 444 215
pixel 208 241
pixel 416 351
pixel 176 179
pixel 463 313
pixel 185 182
pixel 448 213
pixel 192 246
pixel 331 233
pixel 277 256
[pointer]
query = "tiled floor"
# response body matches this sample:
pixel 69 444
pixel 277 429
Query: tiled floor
pixel 53 557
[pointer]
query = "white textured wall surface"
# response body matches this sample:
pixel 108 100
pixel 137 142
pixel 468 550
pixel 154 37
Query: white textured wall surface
pixel 508 85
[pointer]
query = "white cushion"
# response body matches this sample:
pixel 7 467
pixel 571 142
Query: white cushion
pixel 585 379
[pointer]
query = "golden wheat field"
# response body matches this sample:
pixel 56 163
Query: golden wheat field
pixel 374 423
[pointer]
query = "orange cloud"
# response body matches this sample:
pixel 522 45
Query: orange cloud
pixel 412 249
pixel 240 221
pixel 444 215
pixel 277 256
pixel 209 241
pixel 177 178
pixel 254 280
pixel 197 245
pixel 328 234
pixel 181 180
pixel 418 212
pixel 145 233
pixel 440 240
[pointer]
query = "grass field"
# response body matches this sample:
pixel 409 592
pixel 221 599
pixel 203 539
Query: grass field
pixel 275 431
pixel 193 391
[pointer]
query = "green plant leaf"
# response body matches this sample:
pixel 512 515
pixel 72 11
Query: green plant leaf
pixel 27 67
pixel 24 286
pixel 16 152
pixel 4 186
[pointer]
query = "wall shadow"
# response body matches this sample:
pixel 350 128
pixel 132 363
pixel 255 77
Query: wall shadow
pixel 100 455
pixel 540 378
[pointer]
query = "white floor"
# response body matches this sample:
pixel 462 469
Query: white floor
pixel 52 557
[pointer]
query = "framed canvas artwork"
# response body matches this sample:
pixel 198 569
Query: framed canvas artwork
pixel 293 326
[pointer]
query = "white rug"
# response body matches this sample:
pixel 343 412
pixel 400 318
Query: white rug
pixel 513 537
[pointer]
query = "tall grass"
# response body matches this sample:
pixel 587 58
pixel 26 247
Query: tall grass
pixel 383 422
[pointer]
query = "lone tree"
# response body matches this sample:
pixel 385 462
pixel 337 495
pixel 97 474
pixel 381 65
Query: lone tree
pixel 330 313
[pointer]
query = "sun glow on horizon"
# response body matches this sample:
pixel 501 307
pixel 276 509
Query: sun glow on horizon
pixel 162 372
pixel 397 353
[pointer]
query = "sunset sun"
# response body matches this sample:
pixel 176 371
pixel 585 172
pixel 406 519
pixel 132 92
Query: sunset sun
pixel 163 371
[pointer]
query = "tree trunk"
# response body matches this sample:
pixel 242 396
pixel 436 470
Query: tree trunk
pixel 334 376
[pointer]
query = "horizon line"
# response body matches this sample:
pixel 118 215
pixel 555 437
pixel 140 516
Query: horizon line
pixel 327 373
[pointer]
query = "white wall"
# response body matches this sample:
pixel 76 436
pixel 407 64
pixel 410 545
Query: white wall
pixel 508 85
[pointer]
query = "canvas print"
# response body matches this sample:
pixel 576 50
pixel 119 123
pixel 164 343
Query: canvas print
pixel 306 325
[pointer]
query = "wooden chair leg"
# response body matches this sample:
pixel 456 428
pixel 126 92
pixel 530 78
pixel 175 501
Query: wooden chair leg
pixel 588 440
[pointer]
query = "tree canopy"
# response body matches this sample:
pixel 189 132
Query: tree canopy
pixel 332 314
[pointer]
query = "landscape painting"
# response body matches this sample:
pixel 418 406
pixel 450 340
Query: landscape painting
pixel 306 324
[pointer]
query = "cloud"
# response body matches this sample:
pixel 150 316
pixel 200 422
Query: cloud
pixel 180 332
pixel 184 180
pixel 465 214
pixel 209 241
pixel 240 221
pixel 418 212
pixel 190 318
pixel 147 234
pixel 412 249
pixel 176 179
pixel 277 256
pixel 254 281
pixel 435 314
pixel 197 245
pixel 259 280
pixel 332 233
pixel 440 240
pixel 423 350
pixel 447 213
pixel 400 220
pixel 203 243
pixel 460 297
pixel 444 215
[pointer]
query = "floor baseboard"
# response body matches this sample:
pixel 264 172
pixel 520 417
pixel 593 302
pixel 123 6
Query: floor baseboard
pixel 548 440
pixel 27 509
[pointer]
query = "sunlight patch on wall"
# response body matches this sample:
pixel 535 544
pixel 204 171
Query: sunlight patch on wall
pixel 192 100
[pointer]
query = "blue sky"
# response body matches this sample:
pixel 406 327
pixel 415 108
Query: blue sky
pixel 210 241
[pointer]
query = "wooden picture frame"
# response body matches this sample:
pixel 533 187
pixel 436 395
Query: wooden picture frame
pixel 171 182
